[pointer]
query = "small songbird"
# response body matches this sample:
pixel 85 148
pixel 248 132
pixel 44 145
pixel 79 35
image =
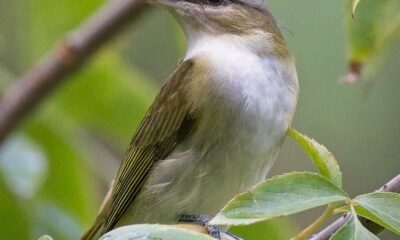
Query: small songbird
pixel 217 124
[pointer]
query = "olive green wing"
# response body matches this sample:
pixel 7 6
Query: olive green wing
pixel 167 122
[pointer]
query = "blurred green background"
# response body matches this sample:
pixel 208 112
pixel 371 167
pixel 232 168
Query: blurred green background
pixel 55 169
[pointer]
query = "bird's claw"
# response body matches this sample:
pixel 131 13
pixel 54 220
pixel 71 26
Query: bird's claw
pixel 203 220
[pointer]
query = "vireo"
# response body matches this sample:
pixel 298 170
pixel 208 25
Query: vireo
pixel 217 124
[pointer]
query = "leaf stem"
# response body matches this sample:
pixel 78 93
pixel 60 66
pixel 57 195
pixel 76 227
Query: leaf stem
pixel 317 223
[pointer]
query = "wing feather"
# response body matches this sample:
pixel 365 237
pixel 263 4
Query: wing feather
pixel 157 135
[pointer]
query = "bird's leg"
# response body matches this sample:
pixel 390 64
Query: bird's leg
pixel 203 220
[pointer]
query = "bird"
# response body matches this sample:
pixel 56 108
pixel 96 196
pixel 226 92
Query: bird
pixel 216 126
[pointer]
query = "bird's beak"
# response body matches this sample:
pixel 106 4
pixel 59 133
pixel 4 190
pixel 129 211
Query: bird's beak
pixel 164 3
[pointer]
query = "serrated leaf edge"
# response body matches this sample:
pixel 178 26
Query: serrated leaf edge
pixel 255 220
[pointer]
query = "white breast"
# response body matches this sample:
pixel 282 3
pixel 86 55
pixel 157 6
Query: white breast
pixel 250 106
pixel 248 103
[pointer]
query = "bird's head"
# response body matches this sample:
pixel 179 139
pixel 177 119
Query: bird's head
pixel 247 19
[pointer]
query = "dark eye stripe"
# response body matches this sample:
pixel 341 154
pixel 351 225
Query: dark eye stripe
pixel 215 2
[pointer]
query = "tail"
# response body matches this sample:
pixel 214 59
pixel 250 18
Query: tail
pixel 93 233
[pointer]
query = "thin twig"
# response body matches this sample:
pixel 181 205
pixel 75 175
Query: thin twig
pixel 307 232
pixel 66 58
pixel 392 186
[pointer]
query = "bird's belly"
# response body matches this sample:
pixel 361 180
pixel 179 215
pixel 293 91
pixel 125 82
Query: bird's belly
pixel 238 136
pixel 239 155
pixel 224 158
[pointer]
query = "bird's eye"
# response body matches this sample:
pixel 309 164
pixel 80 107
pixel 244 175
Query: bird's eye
pixel 215 2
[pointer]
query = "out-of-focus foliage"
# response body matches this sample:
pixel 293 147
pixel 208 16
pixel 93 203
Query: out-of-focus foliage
pixel 51 187
pixel 374 30
pixel 81 131
pixel 74 142
pixel 23 166
pixel 46 237
pixel 354 7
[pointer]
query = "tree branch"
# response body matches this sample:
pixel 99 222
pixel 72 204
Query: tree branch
pixel 66 58
pixel 392 186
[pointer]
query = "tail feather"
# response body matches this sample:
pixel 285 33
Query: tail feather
pixel 93 233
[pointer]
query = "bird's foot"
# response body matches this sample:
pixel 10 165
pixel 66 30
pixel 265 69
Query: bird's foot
pixel 203 220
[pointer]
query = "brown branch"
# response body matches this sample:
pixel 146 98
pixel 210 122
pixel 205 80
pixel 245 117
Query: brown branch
pixel 392 186
pixel 66 58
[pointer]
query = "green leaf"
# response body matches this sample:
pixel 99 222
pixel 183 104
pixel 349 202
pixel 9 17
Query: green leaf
pixel 276 229
pixel 116 98
pixel 375 21
pixel 280 196
pixel 372 36
pixel 343 209
pixel 321 157
pixel 46 27
pixel 355 4
pixel 23 165
pixel 353 230
pixel 53 220
pixel 46 237
pixel 153 232
pixel 17 224
pixel 58 137
pixel 382 208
